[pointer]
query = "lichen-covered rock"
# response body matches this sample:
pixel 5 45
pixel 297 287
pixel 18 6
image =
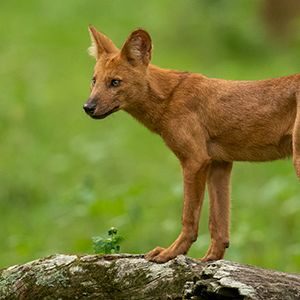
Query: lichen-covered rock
pixel 132 277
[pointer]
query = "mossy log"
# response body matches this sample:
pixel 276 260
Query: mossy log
pixel 132 277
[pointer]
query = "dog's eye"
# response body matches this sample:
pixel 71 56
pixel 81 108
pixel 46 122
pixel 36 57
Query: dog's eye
pixel 115 82
pixel 93 81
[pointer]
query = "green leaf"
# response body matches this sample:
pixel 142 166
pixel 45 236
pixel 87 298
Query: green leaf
pixel 108 245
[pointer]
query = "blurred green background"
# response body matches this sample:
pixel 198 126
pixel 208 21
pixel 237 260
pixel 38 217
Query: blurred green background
pixel 66 178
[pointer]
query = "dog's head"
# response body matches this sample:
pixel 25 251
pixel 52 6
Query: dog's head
pixel 119 75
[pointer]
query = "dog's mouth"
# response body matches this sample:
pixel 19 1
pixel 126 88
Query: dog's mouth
pixel 104 115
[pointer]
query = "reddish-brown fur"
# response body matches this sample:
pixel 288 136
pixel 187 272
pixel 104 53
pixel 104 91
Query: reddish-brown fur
pixel 208 123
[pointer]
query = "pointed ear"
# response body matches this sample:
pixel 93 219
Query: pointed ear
pixel 101 44
pixel 137 49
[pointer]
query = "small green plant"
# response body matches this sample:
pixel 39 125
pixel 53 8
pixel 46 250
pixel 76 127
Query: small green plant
pixel 108 245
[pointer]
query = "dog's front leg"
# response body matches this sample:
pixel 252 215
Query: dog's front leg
pixel 194 173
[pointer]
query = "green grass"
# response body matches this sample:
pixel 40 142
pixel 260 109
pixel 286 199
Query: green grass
pixel 66 178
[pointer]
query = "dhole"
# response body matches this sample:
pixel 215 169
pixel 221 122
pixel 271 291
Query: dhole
pixel 208 123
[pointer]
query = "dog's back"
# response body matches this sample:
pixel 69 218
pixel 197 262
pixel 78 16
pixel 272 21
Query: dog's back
pixel 245 120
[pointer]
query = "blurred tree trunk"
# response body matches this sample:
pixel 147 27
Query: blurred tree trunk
pixel 132 277
pixel 279 15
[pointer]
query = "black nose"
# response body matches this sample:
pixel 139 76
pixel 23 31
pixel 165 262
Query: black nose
pixel 89 108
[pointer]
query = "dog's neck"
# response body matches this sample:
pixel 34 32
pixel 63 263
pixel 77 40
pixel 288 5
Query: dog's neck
pixel 162 83
pixel 161 86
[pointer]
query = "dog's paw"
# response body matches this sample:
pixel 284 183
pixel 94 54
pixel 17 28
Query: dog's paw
pixel 212 255
pixel 151 254
pixel 159 255
pixel 208 258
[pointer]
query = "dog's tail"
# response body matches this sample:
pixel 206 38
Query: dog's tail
pixel 296 138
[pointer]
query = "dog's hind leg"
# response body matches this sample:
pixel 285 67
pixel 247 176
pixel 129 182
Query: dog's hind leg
pixel 218 182
pixel 296 138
